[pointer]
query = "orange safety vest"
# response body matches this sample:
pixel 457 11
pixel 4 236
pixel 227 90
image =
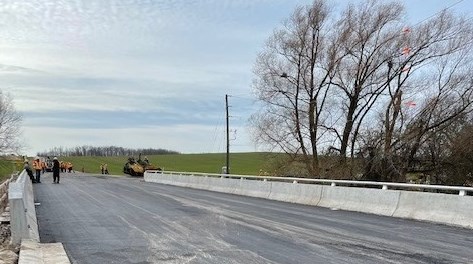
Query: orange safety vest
pixel 36 165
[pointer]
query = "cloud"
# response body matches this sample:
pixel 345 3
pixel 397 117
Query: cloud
pixel 45 93
pixel 182 138
pixel 102 72
pixel 15 69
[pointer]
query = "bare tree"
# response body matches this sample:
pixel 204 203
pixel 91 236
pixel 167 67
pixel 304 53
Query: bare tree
pixel 433 73
pixel 442 47
pixel 293 76
pixel 373 32
pixel 10 122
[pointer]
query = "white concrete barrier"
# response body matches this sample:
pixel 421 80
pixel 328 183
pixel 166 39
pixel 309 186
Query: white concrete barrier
pixel 436 207
pixel 253 188
pixel 165 179
pixel 296 193
pixel 221 184
pixel 367 200
pixel 24 224
pixel 179 179
pixel 199 182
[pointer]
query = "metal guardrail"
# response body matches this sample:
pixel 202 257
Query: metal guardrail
pixel 462 190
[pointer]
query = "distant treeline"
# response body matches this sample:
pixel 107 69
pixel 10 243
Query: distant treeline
pixel 107 151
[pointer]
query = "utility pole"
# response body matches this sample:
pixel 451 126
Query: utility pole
pixel 228 136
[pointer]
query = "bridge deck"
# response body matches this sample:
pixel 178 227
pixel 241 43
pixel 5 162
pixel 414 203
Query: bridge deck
pixel 125 220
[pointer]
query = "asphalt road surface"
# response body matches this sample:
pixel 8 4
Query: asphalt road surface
pixel 126 220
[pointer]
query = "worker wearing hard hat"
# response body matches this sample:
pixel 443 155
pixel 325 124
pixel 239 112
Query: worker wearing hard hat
pixel 37 167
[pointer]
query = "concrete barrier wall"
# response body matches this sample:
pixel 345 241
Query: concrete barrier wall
pixel 296 193
pixel 441 208
pixel 368 200
pixel 260 189
pixel 436 207
pixel 24 224
pixel 220 184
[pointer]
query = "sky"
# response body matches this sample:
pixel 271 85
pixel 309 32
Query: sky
pixel 143 73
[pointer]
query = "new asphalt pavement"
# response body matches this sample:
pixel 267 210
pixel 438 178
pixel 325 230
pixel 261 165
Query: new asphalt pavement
pixel 106 219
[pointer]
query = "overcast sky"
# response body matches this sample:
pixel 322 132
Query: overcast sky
pixel 142 73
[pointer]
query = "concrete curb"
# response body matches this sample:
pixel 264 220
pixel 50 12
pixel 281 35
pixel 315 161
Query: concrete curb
pixel 33 252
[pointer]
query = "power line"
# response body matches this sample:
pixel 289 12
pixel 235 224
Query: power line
pixel 442 10
pixel 218 132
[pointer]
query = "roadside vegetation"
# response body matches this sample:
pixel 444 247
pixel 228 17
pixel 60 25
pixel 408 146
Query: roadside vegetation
pixel 7 167
pixel 253 163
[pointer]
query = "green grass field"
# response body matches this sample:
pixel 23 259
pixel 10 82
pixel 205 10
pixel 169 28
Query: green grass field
pixel 240 163
pixel 251 163
pixel 6 168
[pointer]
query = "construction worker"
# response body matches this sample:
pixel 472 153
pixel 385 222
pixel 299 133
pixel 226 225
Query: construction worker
pixel 69 166
pixel 63 166
pixel 56 168
pixel 28 170
pixel 37 168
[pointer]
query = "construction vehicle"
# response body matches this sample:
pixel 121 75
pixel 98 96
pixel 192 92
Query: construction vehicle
pixel 133 168
pixel 138 167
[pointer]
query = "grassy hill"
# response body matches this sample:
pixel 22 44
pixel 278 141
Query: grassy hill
pixel 240 163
